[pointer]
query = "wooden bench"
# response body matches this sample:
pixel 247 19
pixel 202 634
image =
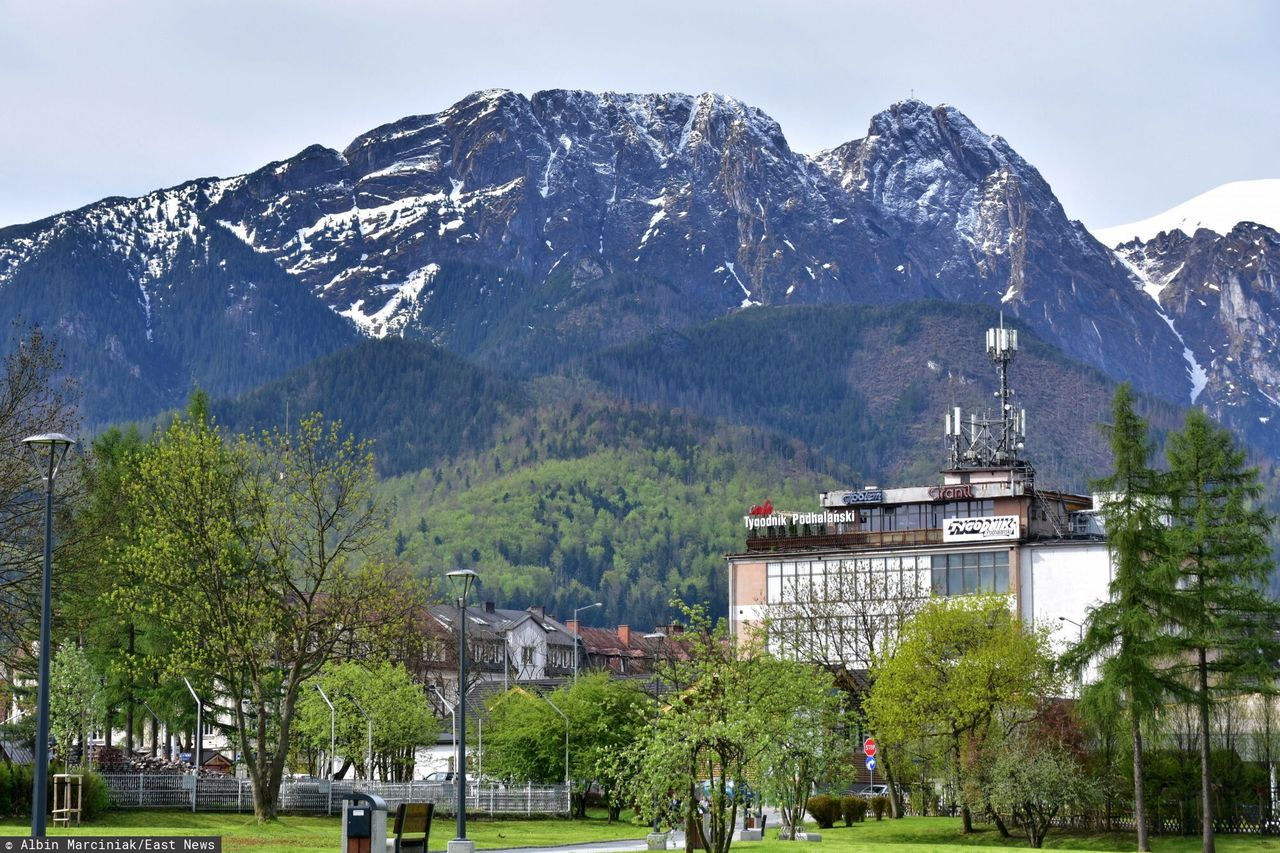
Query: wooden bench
pixel 411 828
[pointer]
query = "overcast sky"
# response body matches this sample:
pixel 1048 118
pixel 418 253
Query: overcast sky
pixel 1127 108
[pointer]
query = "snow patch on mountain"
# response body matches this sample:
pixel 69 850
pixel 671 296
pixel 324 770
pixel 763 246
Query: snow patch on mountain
pixel 1153 286
pixel 403 305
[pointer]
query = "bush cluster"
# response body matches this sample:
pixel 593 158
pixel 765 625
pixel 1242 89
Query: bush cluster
pixel 879 805
pixel 824 809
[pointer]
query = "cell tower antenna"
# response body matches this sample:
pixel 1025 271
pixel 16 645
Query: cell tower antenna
pixel 991 441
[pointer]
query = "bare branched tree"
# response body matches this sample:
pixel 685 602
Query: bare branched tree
pixel 844 615
pixel 34 398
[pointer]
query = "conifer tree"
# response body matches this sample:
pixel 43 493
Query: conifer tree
pixel 1126 634
pixel 1223 622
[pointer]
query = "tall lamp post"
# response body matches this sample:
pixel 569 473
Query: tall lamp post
pixel 333 728
pixel 462 581
pixel 661 638
pixel 48 450
pixel 1080 630
pixel 576 611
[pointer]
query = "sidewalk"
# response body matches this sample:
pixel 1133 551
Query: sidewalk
pixel 675 841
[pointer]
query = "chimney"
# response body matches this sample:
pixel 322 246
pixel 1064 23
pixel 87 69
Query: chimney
pixel 539 611
pixel 674 628
pixel 572 625
pixel 624 634
pixel 488 607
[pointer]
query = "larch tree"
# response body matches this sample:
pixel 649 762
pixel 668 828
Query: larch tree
pixel 1127 635
pixel 1223 621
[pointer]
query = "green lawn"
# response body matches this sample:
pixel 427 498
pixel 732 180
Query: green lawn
pixel 937 835
pixel 316 834
pixel 913 835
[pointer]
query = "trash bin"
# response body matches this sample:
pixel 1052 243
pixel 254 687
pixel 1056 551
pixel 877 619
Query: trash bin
pixel 364 823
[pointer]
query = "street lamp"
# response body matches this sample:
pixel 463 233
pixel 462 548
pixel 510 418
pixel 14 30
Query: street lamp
pixel 199 743
pixel 462 580
pixel 48 450
pixel 662 639
pixel 453 714
pixel 1073 622
pixel 576 611
pixel 333 726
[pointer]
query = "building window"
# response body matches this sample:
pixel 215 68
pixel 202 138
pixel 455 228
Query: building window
pixel 970 572
pixel 526 655
pixel 969 509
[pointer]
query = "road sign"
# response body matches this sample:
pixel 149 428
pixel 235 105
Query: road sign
pixel 871 763
pixel 869 746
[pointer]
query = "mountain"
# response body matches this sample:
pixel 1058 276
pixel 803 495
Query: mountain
pixel 1218 210
pixel 1222 292
pixel 522 232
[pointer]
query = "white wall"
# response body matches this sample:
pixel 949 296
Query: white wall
pixel 1063 579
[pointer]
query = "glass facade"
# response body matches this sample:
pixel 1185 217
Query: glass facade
pixel 970 573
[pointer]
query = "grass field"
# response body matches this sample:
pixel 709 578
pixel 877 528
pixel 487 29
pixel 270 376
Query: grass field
pixel 913 835
pixel 316 834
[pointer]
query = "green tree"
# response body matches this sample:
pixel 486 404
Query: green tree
pixel 1031 781
pixel 117 639
pixel 730 705
pixel 401 717
pixel 525 738
pixel 804 739
pixel 606 717
pixel 1217 546
pixel 76 705
pixel 960 665
pixel 1128 635
pixel 247 554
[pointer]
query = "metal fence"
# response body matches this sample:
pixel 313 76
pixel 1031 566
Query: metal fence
pixel 226 793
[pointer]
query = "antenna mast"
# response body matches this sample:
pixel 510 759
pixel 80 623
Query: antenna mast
pixel 991 441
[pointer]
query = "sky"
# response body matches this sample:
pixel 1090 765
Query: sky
pixel 1126 108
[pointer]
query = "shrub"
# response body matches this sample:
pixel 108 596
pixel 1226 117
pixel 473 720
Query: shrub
pixel 879 805
pixel 846 809
pixel 15 790
pixel 853 810
pixel 824 810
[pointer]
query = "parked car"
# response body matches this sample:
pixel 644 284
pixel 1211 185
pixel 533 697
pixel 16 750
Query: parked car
pixel 867 791
pixel 439 776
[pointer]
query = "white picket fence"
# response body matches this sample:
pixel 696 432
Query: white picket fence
pixel 226 793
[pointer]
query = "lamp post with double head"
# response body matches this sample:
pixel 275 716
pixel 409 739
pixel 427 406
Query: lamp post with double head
pixel 462 581
pixel 576 641
pixel 48 450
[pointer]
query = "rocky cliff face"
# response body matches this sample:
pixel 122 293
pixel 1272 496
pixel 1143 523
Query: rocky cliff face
pixel 1221 292
pixel 523 231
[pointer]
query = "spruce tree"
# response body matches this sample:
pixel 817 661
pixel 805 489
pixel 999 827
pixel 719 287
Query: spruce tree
pixel 1126 635
pixel 1222 620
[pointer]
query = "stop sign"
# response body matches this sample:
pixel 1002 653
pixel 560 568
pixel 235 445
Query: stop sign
pixel 869 746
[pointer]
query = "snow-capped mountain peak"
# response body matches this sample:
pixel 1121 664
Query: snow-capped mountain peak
pixel 1219 210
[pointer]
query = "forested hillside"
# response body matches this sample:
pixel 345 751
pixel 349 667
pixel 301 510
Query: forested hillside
pixel 418 403
pixel 870 386
pixel 595 501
